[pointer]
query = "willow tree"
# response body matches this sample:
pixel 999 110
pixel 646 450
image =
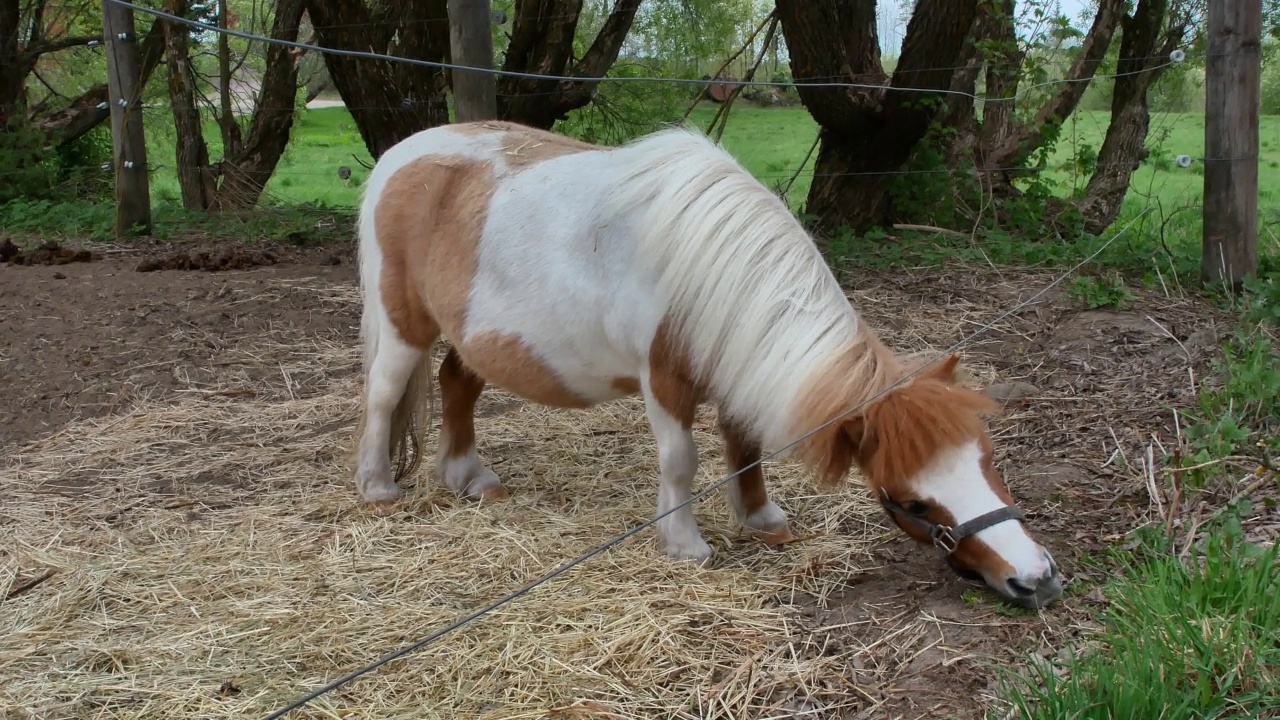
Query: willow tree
pixel 926 106
pixel 391 99
pixel 868 130
pixel 250 152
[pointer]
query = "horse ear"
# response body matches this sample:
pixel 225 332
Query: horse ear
pixel 946 370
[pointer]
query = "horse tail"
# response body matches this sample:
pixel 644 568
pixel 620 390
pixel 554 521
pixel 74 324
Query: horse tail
pixel 417 402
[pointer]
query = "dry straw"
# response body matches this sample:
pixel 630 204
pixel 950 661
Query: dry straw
pixel 209 559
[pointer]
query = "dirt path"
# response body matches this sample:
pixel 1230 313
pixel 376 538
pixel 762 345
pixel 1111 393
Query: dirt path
pixel 92 340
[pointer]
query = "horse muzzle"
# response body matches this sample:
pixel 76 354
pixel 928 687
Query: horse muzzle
pixel 1030 593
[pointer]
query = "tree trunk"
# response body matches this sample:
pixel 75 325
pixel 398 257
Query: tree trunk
pixel 958 113
pixel 191 152
pixel 15 66
pixel 866 134
pixel 231 137
pixel 542 43
pixel 237 181
pixel 246 171
pixel 1148 36
pixel 1004 69
pixel 388 101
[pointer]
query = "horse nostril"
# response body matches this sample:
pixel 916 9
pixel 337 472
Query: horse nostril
pixel 1020 589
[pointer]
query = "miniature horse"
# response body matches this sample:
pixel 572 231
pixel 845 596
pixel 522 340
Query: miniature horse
pixel 572 274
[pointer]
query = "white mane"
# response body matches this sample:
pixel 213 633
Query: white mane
pixel 759 310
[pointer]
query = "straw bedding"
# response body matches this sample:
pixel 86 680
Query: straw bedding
pixel 209 558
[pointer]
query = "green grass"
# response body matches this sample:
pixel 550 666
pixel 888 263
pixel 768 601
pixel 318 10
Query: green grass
pixel 1198 640
pixel 769 142
pixel 772 143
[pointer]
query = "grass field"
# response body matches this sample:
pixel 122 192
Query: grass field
pixel 771 143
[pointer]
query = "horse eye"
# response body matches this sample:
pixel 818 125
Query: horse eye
pixel 917 508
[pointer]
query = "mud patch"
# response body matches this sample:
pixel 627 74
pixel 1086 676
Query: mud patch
pixel 50 253
pixel 210 260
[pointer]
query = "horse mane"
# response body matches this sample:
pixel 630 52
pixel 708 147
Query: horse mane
pixel 755 305
pixel 900 434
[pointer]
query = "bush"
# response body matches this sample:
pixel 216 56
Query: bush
pixel 32 170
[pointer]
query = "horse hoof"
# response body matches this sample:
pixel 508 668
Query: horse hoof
pixel 781 536
pixel 696 552
pixel 494 493
pixel 381 497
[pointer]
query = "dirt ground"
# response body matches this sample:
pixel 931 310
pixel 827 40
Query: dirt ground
pixel 1090 392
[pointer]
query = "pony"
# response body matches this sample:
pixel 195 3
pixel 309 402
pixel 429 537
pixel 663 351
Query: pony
pixel 572 274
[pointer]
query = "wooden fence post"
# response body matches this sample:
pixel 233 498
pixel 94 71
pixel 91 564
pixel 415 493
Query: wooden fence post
pixel 128 142
pixel 475 94
pixel 1233 74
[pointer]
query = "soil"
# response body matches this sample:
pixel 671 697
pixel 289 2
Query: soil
pixel 86 340
pixel 1084 390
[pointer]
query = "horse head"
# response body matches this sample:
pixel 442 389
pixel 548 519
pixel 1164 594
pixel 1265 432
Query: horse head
pixel 926 455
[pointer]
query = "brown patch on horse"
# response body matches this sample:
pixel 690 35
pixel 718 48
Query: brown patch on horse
pixel 506 361
pixel 627 385
pixel 740 451
pixel 524 146
pixel 865 368
pixel 484 127
pixel 672 379
pixel 428 223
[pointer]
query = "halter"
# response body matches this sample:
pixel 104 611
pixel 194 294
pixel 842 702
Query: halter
pixel 945 537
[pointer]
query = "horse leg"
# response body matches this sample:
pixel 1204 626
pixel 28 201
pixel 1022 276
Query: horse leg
pixel 677 463
pixel 456 458
pixel 388 389
pixel 747 495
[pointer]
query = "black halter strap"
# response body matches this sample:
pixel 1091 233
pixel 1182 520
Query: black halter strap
pixel 947 538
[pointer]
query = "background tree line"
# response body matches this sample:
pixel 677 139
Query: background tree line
pixel 232 103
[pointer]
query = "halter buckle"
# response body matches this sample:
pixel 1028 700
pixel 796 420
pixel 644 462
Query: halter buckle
pixel 943 539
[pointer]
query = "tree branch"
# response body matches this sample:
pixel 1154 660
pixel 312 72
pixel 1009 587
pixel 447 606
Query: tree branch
pixel 1092 52
pixel 45 47
pixel 36 33
pixel 604 50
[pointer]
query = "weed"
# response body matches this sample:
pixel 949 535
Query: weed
pixel 1260 304
pixel 1179 640
pixel 1093 293
pixel 1243 413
